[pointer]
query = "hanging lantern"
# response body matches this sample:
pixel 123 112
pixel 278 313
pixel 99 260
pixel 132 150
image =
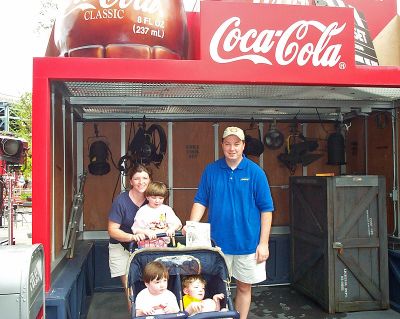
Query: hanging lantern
pixel 336 149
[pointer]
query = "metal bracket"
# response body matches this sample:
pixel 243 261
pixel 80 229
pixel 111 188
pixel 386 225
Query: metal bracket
pixel 394 195
pixel 320 3
pixel 337 245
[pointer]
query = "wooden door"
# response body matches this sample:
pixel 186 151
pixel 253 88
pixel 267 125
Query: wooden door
pixel 359 244
pixel 309 232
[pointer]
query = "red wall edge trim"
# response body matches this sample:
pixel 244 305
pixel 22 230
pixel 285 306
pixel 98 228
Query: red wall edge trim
pixel 41 161
pixel 199 71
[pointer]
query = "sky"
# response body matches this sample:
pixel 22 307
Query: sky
pixel 20 43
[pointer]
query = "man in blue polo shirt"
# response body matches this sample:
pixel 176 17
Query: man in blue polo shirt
pixel 236 192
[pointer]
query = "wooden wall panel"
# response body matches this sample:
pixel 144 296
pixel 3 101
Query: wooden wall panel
pixel 281 216
pixel 378 129
pixel 99 190
pixel 183 201
pixel 355 147
pixel 193 148
pixel 380 150
pixel 380 155
pixel 58 177
pixel 278 177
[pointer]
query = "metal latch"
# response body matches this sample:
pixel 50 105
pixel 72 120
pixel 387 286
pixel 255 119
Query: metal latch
pixel 394 195
pixel 337 245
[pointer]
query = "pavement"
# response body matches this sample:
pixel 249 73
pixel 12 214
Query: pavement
pixel 22 228
pixel 273 302
pixel 279 302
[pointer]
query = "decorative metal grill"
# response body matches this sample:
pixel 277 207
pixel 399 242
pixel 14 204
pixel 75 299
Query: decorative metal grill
pixel 205 101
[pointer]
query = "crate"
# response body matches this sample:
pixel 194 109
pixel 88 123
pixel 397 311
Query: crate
pixel 339 241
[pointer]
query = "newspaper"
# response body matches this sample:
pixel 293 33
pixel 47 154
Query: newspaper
pixel 197 234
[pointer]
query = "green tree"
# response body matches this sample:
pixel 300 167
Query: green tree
pixel 21 126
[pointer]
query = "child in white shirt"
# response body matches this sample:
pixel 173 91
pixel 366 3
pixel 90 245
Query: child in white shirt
pixel 155 217
pixel 155 298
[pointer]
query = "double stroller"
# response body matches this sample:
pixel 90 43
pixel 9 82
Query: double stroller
pixel 180 262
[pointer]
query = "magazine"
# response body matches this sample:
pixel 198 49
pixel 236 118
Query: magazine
pixel 197 234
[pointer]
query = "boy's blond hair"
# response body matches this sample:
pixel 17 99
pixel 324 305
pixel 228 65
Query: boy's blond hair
pixel 191 279
pixel 156 189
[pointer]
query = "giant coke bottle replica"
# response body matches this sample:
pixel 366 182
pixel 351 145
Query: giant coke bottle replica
pixel 146 29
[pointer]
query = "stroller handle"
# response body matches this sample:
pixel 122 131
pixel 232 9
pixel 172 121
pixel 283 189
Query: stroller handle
pixel 133 244
pixel 180 315
pixel 178 234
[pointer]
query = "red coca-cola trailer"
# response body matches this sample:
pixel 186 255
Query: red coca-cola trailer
pixel 264 67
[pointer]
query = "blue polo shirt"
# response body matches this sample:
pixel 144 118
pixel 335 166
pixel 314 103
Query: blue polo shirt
pixel 235 200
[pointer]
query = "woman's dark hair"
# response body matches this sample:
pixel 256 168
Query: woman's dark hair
pixel 138 168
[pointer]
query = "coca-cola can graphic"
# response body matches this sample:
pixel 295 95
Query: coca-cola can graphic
pixel 147 29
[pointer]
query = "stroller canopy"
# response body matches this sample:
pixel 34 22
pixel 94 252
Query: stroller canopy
pixel 179 261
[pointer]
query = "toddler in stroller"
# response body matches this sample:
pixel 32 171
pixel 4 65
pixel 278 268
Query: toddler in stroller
pixel 194 291
pixel 156 298
pixel 181 262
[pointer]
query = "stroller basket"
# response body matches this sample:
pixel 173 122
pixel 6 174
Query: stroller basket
pixel 207 261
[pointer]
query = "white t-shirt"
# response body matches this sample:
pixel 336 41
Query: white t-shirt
pixel 157 219
pixel 145 301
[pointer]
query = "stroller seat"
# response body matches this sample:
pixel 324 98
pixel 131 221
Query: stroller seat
pixel 207 261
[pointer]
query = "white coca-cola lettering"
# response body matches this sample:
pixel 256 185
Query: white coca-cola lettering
pixel 287 50
pixel 145 6
pixel 321 53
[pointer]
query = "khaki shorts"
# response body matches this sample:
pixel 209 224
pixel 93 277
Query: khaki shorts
pixel 245 268
pixel 118 258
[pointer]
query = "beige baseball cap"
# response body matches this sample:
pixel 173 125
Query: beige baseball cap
pixel 233 130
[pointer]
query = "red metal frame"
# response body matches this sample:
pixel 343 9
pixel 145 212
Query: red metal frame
pixel 46 70
pixel 194 71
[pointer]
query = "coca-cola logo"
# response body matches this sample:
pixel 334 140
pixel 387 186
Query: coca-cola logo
pixel 269 46
pixel 115 8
